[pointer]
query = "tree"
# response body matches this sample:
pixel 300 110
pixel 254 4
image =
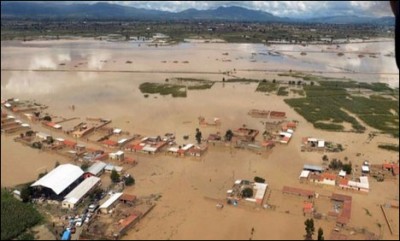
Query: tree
pixel 347 168
pixel 114 176
pixel 228 135
pixel 309 228
pixel 47 118
pixel 198 136
pixel 321 234
pixel 84 166
pixel 325 158
pixel 312 83
pixel 247 192
pixel 129 181
pixel 26 194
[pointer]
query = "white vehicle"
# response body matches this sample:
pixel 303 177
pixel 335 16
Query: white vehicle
pixel 78 224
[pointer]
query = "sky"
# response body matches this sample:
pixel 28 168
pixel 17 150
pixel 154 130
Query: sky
pixel 293 9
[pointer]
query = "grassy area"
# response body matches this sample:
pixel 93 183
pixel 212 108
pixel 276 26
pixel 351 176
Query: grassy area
pixel 330 127
pixel 389 147
pixel 327 100
pixel 16 216
pixel 267 87
pixel 163 89
pixel 282 91
pixel 299 92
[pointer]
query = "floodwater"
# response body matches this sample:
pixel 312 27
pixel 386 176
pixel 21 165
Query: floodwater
pixel 185 183
pixel 249 60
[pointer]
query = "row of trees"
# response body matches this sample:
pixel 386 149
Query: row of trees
pixel 310 229
pixel 338 165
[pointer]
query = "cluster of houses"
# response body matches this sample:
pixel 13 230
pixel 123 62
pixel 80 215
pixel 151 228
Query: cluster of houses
pixel 315 144
pixel 317 174
pixel 341 204
pixel 236 194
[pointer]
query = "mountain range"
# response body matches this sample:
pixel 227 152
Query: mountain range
pixel 106 11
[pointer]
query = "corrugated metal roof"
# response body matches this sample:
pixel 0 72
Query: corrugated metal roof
pixel 111 200
pixel 60 178
pixel 96 168
pixel 76 195
pixel 313 167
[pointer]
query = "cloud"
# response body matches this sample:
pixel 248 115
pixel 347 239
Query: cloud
pixel 294 9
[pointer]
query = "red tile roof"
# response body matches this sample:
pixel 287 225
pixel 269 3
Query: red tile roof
pixel 329 176
pixel 343 182
pixel 69 143
pixel 110 143
pixel 127 197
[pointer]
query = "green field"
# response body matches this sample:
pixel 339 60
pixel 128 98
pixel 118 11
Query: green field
pixel 267 87
pixel 282 91
pixel 327 101
pixel 16 216
pixel 163 89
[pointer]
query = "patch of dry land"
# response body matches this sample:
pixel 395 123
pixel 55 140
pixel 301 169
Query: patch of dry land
pixel 95 77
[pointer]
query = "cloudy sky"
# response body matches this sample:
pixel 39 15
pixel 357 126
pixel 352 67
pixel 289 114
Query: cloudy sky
pixel 298 9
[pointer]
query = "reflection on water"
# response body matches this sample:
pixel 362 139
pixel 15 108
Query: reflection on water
pixel 201 57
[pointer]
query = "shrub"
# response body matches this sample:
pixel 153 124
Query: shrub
pixel 259 179
pixel 114 176
pixel 129 181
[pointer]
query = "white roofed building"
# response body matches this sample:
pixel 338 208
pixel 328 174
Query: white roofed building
pixel 76 195
pixel 107 205
pixel 60 180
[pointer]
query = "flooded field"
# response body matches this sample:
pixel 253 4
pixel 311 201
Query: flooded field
pixel 371 62
pixel 96 78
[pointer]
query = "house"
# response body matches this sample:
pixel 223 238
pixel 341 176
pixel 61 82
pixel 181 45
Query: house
pixel 304 175
pixel 277 114
pixel 197 151
pixel 362 185
pixel 119 155
pixel 182 151
pixel 110 143
pixel 127 198
pixel 42 135
pixel 111 167
pixel 96 169
pixel 328 178
pixel 52 125
pixel 246 134
pixel 70 144
pixel 313 168
pixel 110 203
pixel 76 195
pixel 342 173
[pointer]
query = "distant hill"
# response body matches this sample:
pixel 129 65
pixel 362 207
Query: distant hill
pixel 352 19
pixel 103 10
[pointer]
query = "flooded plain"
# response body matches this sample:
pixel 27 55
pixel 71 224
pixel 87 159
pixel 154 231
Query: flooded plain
pixel 97 78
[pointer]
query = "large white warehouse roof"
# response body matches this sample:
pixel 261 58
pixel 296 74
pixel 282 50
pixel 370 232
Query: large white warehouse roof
pixel 60 178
